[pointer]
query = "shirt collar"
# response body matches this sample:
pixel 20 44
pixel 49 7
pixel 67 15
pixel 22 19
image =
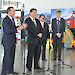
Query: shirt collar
pixel 32 18
pixel 41 22
pixel 10 17
pixel 58 19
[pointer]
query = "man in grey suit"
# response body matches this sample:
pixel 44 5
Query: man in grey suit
pixel 58 28
pixel 9 41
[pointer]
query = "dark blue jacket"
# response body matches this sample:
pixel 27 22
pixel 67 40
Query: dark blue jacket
pixel 9 33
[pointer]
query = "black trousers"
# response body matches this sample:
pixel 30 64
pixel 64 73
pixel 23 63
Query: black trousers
pixel 33 50
pixel 57 45
pixel 8 59
pixel 43 49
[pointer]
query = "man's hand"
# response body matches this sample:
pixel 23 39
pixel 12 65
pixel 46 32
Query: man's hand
pixel 24 25
pixel 48 39
pixel 59 35
pixel 39 35
pixel 20 27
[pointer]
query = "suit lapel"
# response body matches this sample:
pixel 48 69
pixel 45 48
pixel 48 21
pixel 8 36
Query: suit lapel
pixel 56 24
pixel 44 25
pixel 60 23
pixel 32 23
pixel 9 18
pixel 36 22
pixel 11 21
pixel 56 21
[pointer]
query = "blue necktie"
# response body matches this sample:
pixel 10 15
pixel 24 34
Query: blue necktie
pixel 13 20
pixel 35 23
pixel 58 26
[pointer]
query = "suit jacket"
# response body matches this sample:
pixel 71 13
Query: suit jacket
pixel 33 31
pixel 9 34
pixel 45 32
pixel 54 26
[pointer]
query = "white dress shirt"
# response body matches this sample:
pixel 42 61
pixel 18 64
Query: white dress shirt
pixel 10 17
pixel 57 20
pixel 33 19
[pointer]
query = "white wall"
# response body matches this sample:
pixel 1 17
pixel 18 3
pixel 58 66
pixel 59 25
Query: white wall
pixel 48 4
pixel 0 4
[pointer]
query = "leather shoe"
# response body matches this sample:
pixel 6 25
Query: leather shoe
pixel 12 72
pixel 59 59
pixel 44 59
pixel 54 59
pixel 29 70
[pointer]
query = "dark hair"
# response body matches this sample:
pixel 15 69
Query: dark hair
pixel 41 15
pixel 58 11
pixel 8 9
pixel 32 9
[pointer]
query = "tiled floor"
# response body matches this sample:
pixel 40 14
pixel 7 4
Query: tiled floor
pixel 55 66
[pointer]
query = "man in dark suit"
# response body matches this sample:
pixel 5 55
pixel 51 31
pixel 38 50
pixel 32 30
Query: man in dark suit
pixel 34 35
pixel 58 27
pixel 45 35
pixel 9 41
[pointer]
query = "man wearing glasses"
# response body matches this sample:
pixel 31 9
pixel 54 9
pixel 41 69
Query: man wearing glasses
pixel 45 35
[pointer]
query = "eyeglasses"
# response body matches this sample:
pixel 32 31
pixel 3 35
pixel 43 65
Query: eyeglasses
pixel 43 18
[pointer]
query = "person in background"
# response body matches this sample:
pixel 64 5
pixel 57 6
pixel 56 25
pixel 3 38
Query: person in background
pixel 58 28
pixel 9 41
pixel 45 36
